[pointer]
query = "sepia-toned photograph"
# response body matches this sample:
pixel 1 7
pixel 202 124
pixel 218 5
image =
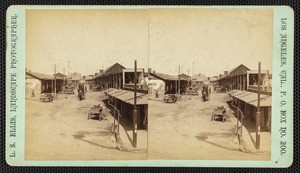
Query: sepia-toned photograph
pixel 210 84
pixel 86 96
pixel 156 83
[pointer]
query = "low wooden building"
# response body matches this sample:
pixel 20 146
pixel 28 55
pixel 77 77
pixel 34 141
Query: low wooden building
pixel 242 78
pixel 118 77
pixel 247 103
pixel 38 83
pixel 173 84
pixel 111 78
pixel 123 100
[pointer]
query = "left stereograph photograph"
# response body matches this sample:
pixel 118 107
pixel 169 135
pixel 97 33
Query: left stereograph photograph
pixel 86 94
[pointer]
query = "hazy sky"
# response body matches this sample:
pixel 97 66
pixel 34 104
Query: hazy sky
pixel 216 40
pixel 90 39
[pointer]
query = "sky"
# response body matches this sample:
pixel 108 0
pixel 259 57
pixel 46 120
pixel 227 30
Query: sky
pixel 89 39
pixel 162 39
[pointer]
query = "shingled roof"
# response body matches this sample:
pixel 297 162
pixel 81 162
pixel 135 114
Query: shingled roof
pixel 240 66
pixel 166 77
pixel 115 68
pixel 43 76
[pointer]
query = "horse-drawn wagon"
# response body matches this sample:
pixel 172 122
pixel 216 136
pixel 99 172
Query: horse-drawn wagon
pixel 170 98
pixel 46 97
pixel 95 112
pixel 219 113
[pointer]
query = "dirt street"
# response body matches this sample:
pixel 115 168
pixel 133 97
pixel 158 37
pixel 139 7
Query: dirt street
pixel 59 130
pixel 184 130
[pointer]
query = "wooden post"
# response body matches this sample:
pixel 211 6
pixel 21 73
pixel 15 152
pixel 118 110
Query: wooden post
pixel 52 86
pixel 135 110
pixel 237 116
pixel 241 117
pixel 114 118
pixel 176 87
pixel 247 81
pixel 118 123
pixel 258 115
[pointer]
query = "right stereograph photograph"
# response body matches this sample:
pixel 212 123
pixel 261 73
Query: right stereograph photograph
pixel 210 83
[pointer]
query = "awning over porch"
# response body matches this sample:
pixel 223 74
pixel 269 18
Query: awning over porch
pixel 251 98
pixel 128 96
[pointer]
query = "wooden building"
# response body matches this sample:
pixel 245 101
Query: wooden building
pixel 123 100
pixel 247 103
pixel 172 83
pixel 242 78
pixel 38 83
pixel 128 80
pixel 118 77
pixel 111 78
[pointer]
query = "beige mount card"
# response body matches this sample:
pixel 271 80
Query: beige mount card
pixel 149 86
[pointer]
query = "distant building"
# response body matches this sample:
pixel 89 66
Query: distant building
pixel 242 78
pixel 185 77
pixel 199 79
pixel 75 78
pixel 61 76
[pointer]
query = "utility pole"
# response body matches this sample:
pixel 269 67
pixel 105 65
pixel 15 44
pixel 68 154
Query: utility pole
pixel 64 71
pixel 258 115
pixel 179 79
pixel 68 68
pixel 55 79
pixel 193 68
pixel 134 109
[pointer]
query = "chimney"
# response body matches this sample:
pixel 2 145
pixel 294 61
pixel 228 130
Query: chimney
pixel 96 74
pixel 100 72
pixel 149 70
pixel 225 73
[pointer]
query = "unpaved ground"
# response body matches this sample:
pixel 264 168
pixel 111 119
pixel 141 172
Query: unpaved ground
pixel 60 131
pixel 184 130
